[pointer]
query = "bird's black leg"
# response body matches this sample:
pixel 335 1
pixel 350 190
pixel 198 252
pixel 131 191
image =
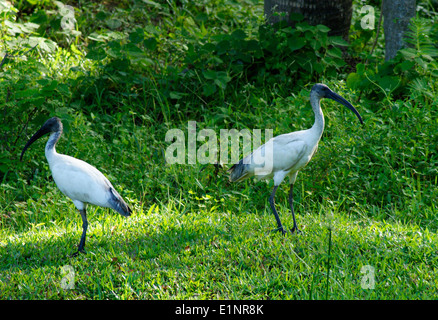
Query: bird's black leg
pixel 84 232
pixel 291 203
pixel 272 203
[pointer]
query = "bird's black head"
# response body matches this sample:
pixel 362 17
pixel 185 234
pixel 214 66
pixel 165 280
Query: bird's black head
pixel 52 125
pixel 322 91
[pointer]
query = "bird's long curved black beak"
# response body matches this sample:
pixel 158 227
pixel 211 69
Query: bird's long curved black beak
pixel 44 130
pixel 338 98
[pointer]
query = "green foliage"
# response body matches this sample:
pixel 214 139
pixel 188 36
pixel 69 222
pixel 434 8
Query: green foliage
pixel 279 55
pixel 408 73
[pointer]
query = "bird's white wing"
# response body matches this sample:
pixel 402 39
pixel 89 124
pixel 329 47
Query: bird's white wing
pixel 80 181
pixel 282 153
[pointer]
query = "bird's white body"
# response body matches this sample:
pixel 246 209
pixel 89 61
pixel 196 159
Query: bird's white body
pixel 291 152
pixel 79 180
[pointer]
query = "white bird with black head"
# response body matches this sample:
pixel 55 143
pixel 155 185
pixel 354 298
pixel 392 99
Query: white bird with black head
pixel 290 152
pixel 78 180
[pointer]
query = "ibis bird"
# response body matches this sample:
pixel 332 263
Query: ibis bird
pixel 284 155
pixel 78 180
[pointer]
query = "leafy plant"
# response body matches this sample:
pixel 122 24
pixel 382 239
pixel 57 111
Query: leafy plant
pixel 407 71
pixel 279 55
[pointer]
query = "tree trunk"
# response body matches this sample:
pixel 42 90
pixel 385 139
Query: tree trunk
pixel 396 15
pixel 335 14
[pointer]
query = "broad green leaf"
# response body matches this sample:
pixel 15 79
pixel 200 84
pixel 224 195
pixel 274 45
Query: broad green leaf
pixel 63 89
pixel 43 44
pixel 133 50
pixel 296 43
pixel 335 52
pixel 221 47
pixel 323 28
pixel 150 43
pixel 96 54
pixel 137 36
pixel 153 3
pixel 113 23
pixel 220 83
pixel 209 74
pixel 360 68
pixel 354 80
pixel 223 76
pixel 315 44
pixel 27 93
pixel 208 89
pixel 151 29
pixel 338 41
pixel 405 65
pixel 176 95
pixel 238 34
pixel 388 83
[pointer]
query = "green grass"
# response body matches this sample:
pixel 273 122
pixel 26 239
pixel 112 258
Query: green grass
pixel 193 234
pixel 163 253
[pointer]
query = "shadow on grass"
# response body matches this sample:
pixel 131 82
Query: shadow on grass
pixel 56 250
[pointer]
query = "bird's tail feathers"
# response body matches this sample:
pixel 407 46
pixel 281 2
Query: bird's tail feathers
pixel 238 171
pixel 119 204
